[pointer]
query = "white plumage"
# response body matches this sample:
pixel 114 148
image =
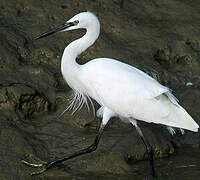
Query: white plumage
pixel 123 90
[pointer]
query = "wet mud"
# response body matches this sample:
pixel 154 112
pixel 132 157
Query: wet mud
pixel 159 37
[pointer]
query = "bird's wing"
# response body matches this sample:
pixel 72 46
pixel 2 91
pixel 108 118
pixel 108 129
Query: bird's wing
pixel 116 76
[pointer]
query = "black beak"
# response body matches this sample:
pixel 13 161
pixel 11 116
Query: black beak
pixel 57 29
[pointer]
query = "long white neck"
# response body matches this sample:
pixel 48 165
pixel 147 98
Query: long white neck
pixel 69 66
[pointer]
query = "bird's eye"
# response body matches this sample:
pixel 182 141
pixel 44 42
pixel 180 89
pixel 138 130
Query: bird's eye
pixel 75 22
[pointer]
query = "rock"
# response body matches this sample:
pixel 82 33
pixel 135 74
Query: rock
pixel 24 99
pixel 162 56
pixel 185 60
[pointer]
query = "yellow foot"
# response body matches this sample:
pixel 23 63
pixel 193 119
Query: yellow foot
pixel 32 165
pixel 42 165
pixel 38 172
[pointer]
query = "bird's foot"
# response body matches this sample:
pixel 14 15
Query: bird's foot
pixel 43 165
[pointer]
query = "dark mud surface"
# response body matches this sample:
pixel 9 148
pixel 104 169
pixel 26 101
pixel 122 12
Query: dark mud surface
pixel 160 37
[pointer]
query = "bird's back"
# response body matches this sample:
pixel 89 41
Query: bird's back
pixel 109 77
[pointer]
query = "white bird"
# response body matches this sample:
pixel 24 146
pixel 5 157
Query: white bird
pixel 120 89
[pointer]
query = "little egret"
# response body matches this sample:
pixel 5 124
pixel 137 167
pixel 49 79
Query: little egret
pixel 121 90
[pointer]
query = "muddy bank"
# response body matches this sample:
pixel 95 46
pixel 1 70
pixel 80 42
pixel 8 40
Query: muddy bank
pixel 161 38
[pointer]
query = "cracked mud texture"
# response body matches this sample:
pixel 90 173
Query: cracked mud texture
pixel 159 37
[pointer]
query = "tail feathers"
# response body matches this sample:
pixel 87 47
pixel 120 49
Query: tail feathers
pixel 182 119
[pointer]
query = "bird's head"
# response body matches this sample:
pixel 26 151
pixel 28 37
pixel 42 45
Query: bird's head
pixel 82 20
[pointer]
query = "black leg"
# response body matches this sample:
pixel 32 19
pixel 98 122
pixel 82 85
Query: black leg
pixel 149 149
pixel 89 149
